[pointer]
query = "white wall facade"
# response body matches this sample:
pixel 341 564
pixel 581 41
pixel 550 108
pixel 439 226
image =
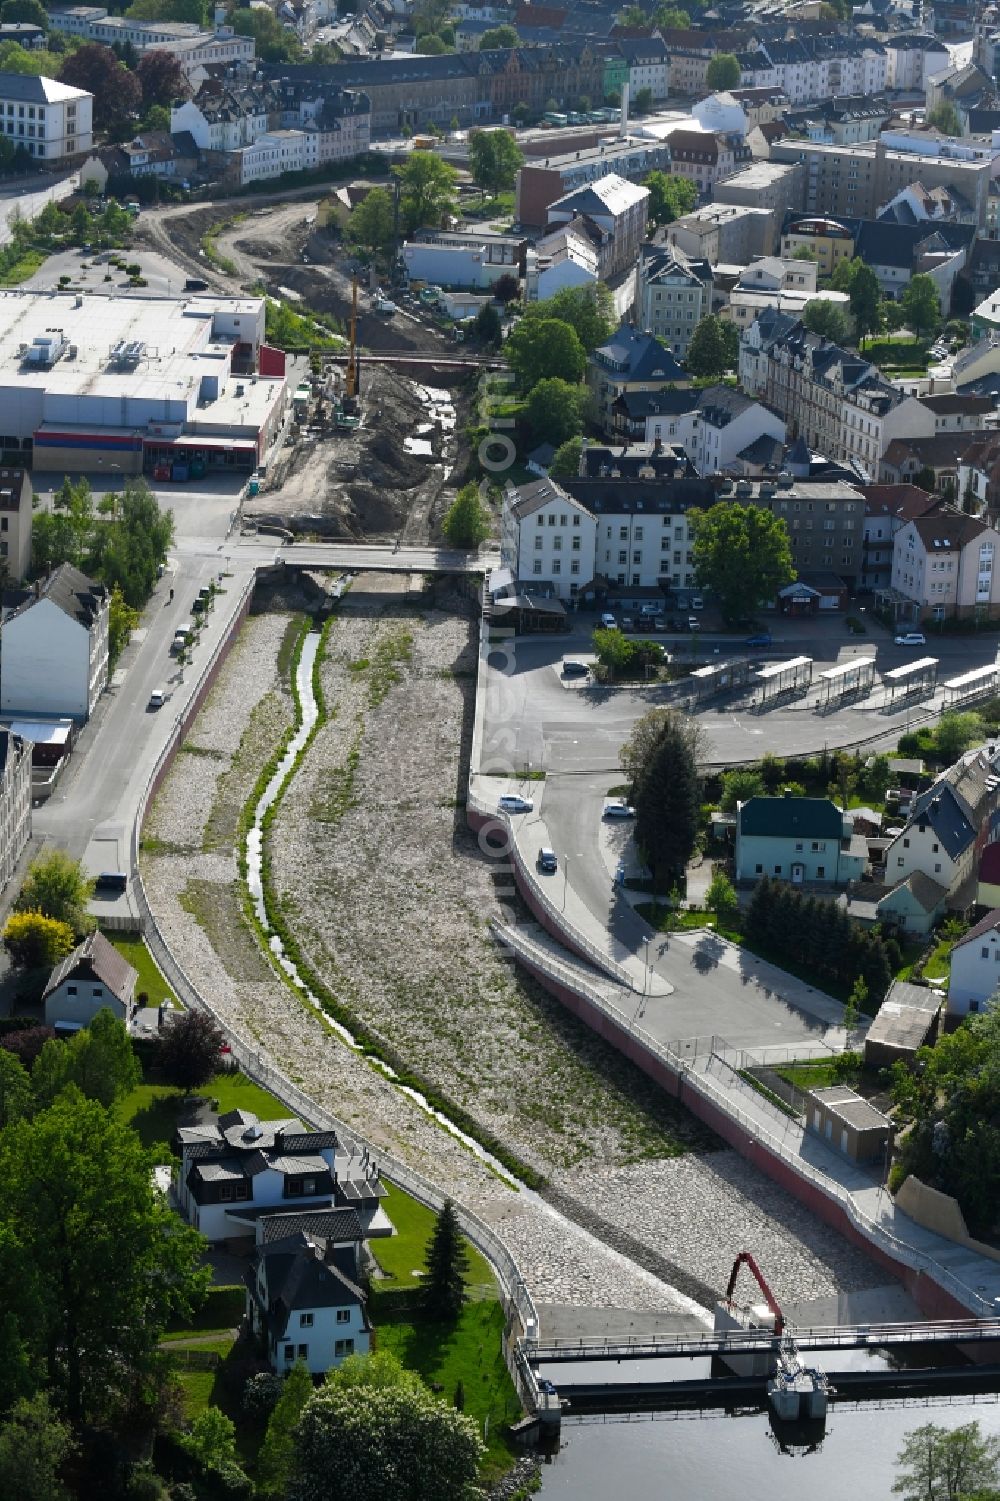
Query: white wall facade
pixel 327 1337
pixel 51 664
pixel 975 974
pixel 77 1000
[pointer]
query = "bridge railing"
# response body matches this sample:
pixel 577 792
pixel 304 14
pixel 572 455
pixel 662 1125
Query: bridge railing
pixel 813 1336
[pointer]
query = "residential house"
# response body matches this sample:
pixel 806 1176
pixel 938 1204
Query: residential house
pixel 857 179
pixel 834 398
pixel 15 522
pixel 566 257
pixel 23 33
pixel 629 361
pixel 827 239
pixel 648 65
pixel 237 1163
pixel 155 153
pixel 612 213
pixel 916 204
pixel 94 977
pixel 948 826
pixel 895 251
pixel 841 119
pixel 673 294
pixel 705 158
pixel 988 885
pixel 912 58
pixel 15 801
pixel 645 416
pixel 547 538
pixel 44 118
pixel 887 509
pixel 724 423
pixel 803 840
pixel 543 180
pixel 975 967
pixel 54 647
pixel 939 455
pixel 979 475
pixel 304 1306
pixel 449 258
pixel 946 565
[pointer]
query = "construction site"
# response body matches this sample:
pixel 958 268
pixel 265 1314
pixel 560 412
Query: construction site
pixel 387 469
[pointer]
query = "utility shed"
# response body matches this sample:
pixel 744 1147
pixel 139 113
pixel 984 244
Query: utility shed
pixel 906 1020
pixel 848 1123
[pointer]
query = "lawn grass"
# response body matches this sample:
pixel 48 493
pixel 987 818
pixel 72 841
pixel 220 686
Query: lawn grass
pixel 150 979
pixel 197 1388
pixel 470 1351
pixel 152 1108
pixel 404 1253
pixel 938 966
pixel 221 1311
pixel 820 1074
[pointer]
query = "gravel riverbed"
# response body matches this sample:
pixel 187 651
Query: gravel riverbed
pixel 389 896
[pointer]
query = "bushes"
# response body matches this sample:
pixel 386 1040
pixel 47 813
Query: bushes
pixel 809 931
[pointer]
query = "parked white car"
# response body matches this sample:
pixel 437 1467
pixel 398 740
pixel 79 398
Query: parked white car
pixel 911 638
pixel 511 803
pixel 619 809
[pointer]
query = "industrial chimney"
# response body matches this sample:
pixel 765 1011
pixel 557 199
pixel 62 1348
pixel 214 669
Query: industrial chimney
pixel 623 127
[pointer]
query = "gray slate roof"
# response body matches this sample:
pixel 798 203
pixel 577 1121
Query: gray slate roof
pixel 95 958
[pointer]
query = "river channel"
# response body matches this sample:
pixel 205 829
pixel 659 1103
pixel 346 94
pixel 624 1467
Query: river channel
pixel 714 1456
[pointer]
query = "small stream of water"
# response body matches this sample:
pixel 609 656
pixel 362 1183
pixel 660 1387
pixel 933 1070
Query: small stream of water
pixel 309 711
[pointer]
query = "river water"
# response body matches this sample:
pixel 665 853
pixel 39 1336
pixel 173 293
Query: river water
pixel 712 1456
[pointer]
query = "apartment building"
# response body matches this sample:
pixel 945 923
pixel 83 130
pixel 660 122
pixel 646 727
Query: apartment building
pixel 777 186
pixel 857 180
pixel 887 510
pixel 15 801
pixel 827 239
pixel 631 360
pixel 15 522
pixel 706 157
pixel 894 251
pixel 842 120
pixel 912 58
pixel 47 119
pixel 673 294
pixel 547 537
pixel 834 399
pixel 250 132
pixel 541 182
pixel 817 67
pixel 724 232
pixel 54 641
pixel 825 522
pixel 947 565
pixel 614 212
pixel 648 65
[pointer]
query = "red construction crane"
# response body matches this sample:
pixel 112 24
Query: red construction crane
pixel 745 1259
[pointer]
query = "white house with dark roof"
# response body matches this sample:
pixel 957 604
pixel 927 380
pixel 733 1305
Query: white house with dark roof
pixel 54 647
pixel 948 825
pixel 304 1305
pixel 547 537
pixel 975 967
pixel 614 212
pixel 94 977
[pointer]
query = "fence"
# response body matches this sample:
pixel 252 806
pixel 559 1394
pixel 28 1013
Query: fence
pixel 516 1296
pixel 681 1060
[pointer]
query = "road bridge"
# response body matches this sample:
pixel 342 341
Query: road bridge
pixel 360 557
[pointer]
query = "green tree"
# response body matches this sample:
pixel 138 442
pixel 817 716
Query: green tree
pixel 15 1089
pixel 277 1453
pixel 494 157
pixel 667 806
pixel 587 310
pixel 126 552
pixel 738 786
pixel 122 621
pixel 566 460
pixel 955 733
pixel 866 299
pixel 635 753
pixel 498 36
pixel 447 1262
pixel 396 1442
pixel 194 12
pixel 554 409
pixel 58 886
pixel 827 319
pixel 161 78
pixel 273 43
pixel 489 329
pixel 190 1050
pixel 921 305
pixel 427 193
pixel 35 941
pixel 643 101
pixel 669 17
pixel 467 522
pixel 539 348
pixel 615 651
pixel 431 45
pixel 211 1439
pixel 874 778
pixel 633 17
pixel 945 118
pixel 104 1065
pixel 855 1003
pixel 805 254
pixel 741 553
pixel 25 12
pixel 104 1262
pixel 669 197
pixel 35 1445
pixel 380 1371
pixel 721 897
pixel 946 1464
pixel 723 72
pixel 708 353
pixel 117 93
pixel 371 223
